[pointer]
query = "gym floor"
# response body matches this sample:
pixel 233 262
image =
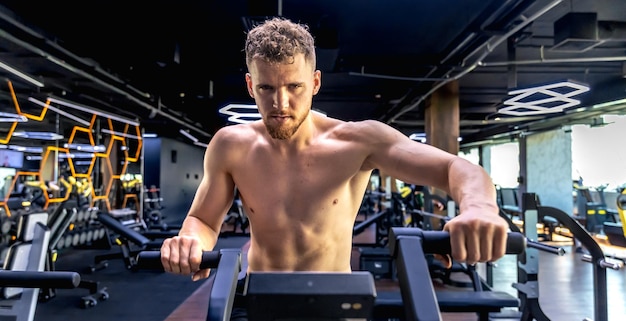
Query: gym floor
pixel 133 296
pixel 566 288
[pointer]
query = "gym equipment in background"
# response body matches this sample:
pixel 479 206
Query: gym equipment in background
pixel 595 212
pixel 616 231
pixel 23 274
pixel 59 221
pixel 152 208
pixel 130 242
pixel 236 218
pixel 596 255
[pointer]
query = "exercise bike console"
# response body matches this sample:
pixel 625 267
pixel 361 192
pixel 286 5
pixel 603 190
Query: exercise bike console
pixel 319 296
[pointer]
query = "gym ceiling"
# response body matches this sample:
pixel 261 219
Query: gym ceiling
pixel 171 65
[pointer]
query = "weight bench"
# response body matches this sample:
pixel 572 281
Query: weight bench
pixel 126 238
pixel 389 304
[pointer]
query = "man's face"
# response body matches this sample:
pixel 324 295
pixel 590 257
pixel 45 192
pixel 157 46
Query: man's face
pixel 283 94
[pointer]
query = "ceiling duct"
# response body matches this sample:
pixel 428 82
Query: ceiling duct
pixel 576 31
pixel 581 31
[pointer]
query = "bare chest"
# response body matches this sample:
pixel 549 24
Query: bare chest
pixel 303 183
pixel 302 173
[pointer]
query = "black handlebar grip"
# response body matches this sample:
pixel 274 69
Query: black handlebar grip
pixel 515 243
pixel 39 279
pixel 151 260
pixel 439 242
pixel 210 259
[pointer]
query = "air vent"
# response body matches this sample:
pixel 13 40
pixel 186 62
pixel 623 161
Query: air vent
pixel 576 32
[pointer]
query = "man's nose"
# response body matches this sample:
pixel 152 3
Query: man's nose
pixel 281 100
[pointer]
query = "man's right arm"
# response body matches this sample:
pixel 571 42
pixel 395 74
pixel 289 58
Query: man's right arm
pixel 182 254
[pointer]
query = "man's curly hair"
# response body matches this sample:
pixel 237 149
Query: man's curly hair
pixel 278 40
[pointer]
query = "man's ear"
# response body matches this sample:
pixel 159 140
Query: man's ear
pixel 249 84
pixel 317 81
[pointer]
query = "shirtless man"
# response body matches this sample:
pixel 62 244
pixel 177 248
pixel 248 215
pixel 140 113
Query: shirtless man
pixel 302 176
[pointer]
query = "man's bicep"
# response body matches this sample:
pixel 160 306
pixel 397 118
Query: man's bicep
pixel 213 199
pixel 413 162
pixel 215 192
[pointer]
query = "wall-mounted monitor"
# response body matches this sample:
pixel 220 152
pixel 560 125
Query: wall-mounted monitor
pixel 11 158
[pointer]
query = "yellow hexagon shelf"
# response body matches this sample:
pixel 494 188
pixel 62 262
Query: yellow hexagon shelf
pixel 78 132
pixel 134 143
pixel 114 140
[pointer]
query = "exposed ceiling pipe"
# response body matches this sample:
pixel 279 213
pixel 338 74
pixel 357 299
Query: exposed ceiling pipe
pixel 465 41
pixel 88 75
pixel 363 74
pixel 550 61
pixel 476 122
pixel 487 48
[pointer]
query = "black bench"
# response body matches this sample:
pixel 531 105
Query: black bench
pixel 389 304
pixel 126 237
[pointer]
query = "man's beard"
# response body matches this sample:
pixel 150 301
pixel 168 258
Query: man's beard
pixel 284 131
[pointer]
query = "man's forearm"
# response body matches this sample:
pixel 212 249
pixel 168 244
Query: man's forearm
pixel 471 186
pixel 193 226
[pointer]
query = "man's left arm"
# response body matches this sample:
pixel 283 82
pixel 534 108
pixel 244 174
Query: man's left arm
pixel 478 233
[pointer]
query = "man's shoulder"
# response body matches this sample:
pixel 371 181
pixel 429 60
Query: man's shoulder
pixel 368 134
pixel 358 128
pixel 232 140
pixel 235 133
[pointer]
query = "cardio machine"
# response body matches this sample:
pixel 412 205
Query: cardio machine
pixel 329 296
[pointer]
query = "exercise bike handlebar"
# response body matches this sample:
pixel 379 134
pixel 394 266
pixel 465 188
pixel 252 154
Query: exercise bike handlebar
pixel 151 260
pixel 433 242
pixel 438 242
pixel 515 242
